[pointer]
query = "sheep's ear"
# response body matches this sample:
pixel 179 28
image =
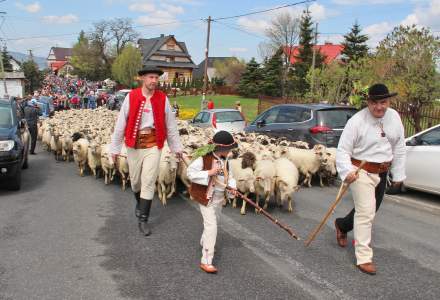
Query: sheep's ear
pixel 328 154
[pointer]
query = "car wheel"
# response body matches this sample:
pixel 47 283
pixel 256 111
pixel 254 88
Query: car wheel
pixel 15 183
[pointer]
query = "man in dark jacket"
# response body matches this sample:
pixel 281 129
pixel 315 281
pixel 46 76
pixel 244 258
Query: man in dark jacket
pixel 31 113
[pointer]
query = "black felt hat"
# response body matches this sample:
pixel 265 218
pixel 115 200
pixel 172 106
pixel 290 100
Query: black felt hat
pixel 223 140
pixel 148 70
pixel 379 91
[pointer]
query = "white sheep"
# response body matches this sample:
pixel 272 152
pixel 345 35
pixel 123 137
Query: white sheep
pixel 242 169
pixel 286 181
pixel 264 180
pixel 80 149
pixel 122 167
pixel 107 164
pixel 166 180
pixel 94 158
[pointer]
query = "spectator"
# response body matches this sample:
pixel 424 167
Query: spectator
pixel 210 104
pixel 176 108
pixel 238 106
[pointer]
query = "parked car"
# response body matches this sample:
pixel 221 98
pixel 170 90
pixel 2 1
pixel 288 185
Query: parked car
pixel 13 144
pixel 311 123
pixel 230 120
pixel 118 99
pixel 422 162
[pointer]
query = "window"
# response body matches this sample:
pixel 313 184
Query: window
pixel 229 116
pixel 205 118
pixel 271 116
pixel 335 118
pixel 198 118
pixel 291 114
pixel 431 138
pixel 5 117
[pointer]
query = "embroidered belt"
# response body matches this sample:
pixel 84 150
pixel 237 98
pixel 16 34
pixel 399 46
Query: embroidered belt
pixel 372 167
pixel 146 138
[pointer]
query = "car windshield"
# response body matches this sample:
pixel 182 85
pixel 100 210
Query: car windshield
pixel 335 118
pixel 5 116
pixel 228 116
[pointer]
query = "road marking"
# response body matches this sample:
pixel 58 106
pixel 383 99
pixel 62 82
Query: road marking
pixel 290 268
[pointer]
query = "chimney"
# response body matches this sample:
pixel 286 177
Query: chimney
pixel 328 43
pixel 162 35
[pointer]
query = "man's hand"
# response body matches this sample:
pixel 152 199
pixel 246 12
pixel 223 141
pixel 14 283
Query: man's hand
pixel 351 177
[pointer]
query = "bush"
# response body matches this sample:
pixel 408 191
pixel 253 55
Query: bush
pixel 187 113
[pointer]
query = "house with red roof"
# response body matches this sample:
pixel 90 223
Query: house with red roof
pixel 58 59
pixel 330 52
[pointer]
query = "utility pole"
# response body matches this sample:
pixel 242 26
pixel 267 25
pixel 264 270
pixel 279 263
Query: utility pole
pixel 205 78
pixel 31 57
pixel 312 84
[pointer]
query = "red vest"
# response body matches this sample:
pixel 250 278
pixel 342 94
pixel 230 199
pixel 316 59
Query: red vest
pixel 137 102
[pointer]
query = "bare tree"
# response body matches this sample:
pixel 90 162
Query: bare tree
pixel 122 33
pixel 101 37
pixel 283 33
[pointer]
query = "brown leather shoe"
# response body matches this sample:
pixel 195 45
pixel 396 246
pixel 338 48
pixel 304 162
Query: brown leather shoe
pixel 368 268
pixel 341 237
pixel 208 268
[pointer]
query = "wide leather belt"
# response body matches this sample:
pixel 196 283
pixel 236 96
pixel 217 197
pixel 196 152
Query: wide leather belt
pixel 146 140
pixel 372 167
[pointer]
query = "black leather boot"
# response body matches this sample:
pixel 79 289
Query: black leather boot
pixel 145 206
pixel 137 196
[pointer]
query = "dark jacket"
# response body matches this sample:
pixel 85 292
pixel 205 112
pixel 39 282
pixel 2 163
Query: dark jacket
pixel 31 115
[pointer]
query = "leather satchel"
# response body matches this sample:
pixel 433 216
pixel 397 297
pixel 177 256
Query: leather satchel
pixel 199 192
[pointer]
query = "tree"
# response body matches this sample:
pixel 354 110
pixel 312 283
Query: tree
pixel 230 70
pixel 122 32
pixel 406 60
pixel 87 61
pixel 6 58
pixel 355 46
pixel 34 77
pixel 304 59
pixel 272 70
pixel 126 65
pixel 251 80
pixel 283 33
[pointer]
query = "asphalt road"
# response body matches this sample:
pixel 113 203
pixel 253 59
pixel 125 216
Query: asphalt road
pixel 69 237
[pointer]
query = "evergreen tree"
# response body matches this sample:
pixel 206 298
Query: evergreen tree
pixel 355 46
pixel 6 58
pixel 34 77
pixel 305 53
pixel 251 80
pixel 273 68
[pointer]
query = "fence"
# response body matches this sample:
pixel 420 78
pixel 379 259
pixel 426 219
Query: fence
pixel 414 119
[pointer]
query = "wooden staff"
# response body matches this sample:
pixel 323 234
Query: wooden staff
pixel 255 205
pixel 265 213
pixel 342 190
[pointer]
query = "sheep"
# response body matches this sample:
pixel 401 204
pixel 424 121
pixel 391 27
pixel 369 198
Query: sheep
pixel 328 165
pixel 80 149
pixel 94 158
pixel 166 180
pixel 56 145
pixel 264 181
pixel 122 167
pixel 242 169
pixel 107 164
pixel 66 147
pixel 307 161
pixel 286 181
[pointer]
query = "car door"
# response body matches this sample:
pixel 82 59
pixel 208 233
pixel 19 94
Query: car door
pixel 266 123
pixel 423 162
pixel 206 118
pixel 292 122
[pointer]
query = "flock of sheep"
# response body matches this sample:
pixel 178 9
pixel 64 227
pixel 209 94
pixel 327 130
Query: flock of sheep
pixel 264 166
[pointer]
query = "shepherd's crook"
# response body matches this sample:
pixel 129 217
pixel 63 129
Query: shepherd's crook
pixel 342 190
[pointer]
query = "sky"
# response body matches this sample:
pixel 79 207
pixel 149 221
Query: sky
pixel 38 25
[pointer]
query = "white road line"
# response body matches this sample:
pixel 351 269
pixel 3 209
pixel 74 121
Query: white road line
pixel 290 268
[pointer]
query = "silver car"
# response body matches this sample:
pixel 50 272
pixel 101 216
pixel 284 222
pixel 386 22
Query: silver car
pixel 230 120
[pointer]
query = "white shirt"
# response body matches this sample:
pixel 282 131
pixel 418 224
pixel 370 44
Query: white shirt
pixel 362 140
pixel 197 175
pixel 147 121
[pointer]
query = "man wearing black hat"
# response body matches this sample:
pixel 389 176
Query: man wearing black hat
pixel 144 123
pixel 210 175
pixel 375 135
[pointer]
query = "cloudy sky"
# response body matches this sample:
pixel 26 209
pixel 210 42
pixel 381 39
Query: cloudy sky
pixel 38 25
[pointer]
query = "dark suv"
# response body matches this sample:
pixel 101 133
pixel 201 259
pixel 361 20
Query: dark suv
pixel 311 123
pixel 14 144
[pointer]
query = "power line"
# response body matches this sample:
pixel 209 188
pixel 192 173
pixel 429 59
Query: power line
pixel 265 10
pixel 238 29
